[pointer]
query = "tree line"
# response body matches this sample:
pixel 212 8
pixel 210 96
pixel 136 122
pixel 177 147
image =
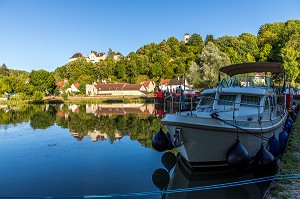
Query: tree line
pixel 199 59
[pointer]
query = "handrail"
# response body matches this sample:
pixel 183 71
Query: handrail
pixel 172 103
pixel 279 108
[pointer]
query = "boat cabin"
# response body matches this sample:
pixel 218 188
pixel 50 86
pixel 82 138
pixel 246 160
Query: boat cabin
pixel 243 96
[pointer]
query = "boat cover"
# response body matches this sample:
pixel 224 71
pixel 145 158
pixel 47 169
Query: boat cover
pixel 252 67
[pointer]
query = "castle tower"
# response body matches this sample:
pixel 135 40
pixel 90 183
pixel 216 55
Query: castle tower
pixel 186 37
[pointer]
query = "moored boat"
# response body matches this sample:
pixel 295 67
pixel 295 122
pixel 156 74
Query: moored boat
pixel 247 110
pixel 182 181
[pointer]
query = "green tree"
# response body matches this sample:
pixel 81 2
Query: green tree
pixel 210 61
pixel 38 95
pixel 60 73
pixel 4 70
pixel 12 84
pixel 120 69
pixel 209 38
pixel 291 65
pixel 196 40
pixel 193 75
pixel 195 44
pixel 42 81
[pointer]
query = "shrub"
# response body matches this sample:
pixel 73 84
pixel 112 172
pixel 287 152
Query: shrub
pixel 65 96
pixel 37 95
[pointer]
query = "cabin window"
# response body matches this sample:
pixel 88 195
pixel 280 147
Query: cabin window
pixel 250 100
pixel 267 104
pixel 226 99
pixel 224 83
pixel 207 99
pixel 272 102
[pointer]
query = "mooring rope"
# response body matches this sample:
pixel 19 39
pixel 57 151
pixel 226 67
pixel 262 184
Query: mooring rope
pixel 215 116
pixel 200 188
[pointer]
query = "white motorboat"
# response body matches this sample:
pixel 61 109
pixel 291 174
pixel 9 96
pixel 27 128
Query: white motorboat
pixel 246 108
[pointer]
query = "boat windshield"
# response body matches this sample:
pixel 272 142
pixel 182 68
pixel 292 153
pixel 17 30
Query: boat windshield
pixel 246 81
pixel 206 100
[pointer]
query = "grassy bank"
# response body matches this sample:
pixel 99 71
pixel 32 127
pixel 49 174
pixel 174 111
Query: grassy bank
pixel 84 100
pixel 288 164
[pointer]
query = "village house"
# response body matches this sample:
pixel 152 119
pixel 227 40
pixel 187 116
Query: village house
pixel 149 85
pixel 117 56
pixel 73 89
pixel 95 56
pixel 61 84
pixel 76 56
pixel 164 84
pixel 172 85
pixel 115 89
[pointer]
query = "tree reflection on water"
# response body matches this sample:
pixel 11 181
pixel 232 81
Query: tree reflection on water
pixel 99 122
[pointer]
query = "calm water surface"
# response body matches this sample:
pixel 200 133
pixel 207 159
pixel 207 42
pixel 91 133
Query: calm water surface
pixel 78 150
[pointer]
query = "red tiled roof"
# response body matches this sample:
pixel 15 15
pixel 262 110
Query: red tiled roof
pixel 132 87
pixel 60 83
pixel 165 82
pixel 107 87
pixel 146 83
pixel 77 55
pixel 76 85
pixel 177 81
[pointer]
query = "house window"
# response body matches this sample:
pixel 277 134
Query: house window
pixel 109 88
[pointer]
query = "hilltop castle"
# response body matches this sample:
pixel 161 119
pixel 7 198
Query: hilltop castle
pixel 94 56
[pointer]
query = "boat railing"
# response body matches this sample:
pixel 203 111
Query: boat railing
pixel 173 104
pixel 228 106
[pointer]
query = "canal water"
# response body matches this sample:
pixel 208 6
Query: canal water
pixel 76 151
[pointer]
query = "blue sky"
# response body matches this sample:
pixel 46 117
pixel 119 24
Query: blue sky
pixel 43 34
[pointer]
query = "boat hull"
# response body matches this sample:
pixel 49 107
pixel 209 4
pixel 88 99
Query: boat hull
pixel 206 141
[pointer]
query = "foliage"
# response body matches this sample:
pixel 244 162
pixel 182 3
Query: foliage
pixel 138 127
pixel 38 95
pixel 210 61
pixel 42 81
pixel 280 42
pixel 43 119
pixel 4 70
pixel 65 96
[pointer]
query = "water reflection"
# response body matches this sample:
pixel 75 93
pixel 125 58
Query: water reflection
pixel 177 175
pixel 97 122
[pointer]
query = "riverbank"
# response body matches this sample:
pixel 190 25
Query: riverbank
pixel 85 100
pixel 288 164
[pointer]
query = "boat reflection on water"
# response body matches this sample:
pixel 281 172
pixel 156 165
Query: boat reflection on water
pixel 178 175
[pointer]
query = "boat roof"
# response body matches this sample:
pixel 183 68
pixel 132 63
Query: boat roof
pixel 252 67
